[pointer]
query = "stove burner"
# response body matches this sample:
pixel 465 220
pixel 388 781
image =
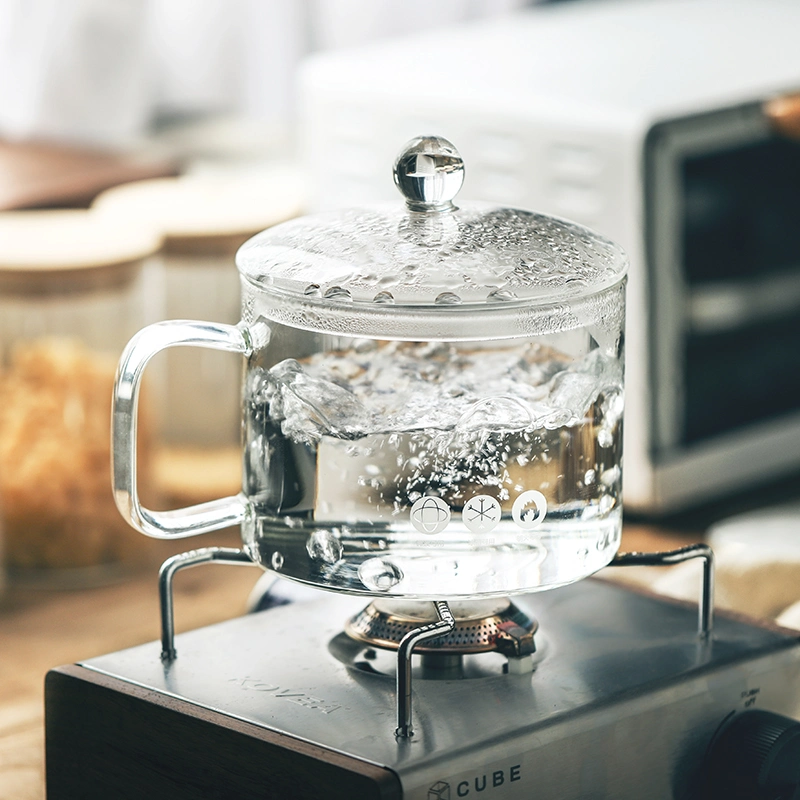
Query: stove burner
pixel 480 627
pixel 469 627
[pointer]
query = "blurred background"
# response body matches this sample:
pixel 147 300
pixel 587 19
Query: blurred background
pixel 143 141
pixel 115 74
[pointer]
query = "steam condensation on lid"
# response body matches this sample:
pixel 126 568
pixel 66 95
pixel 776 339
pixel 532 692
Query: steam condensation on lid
pixel 478 253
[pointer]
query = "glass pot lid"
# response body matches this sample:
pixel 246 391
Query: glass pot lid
pixel 430 255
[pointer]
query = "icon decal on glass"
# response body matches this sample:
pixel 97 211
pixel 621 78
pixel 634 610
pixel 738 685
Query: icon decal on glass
pixel 481 513
pixel 529 510
pixel 430 515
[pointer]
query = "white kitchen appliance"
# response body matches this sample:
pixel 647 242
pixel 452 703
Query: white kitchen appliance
pixel 662 123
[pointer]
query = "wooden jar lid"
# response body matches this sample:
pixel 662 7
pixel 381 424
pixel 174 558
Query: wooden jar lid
pixel 208 211
pixel 71 239
pixel 48 174
pixel 65 249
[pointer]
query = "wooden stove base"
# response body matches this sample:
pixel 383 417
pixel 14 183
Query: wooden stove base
pixel 106 738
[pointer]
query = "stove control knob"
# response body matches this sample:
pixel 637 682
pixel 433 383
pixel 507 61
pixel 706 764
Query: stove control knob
pixel 755 755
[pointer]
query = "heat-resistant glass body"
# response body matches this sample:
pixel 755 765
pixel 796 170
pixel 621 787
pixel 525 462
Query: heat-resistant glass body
pixel 432 401
pixel 435 466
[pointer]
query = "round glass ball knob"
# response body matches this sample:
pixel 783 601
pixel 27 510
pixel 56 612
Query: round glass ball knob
pixel 429 172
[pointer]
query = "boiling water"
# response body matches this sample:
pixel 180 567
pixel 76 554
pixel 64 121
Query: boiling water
pixel 435 470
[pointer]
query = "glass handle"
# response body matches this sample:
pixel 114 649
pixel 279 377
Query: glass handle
pixel 182 522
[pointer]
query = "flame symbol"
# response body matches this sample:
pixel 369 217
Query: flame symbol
pixel 530 514
pixel 529 509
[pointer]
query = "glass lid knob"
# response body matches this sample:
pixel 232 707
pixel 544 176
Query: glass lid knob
pixel 429 172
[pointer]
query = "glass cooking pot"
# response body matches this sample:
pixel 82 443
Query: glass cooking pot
pixel 432 402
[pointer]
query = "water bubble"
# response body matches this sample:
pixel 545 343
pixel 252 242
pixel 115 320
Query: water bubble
pixel 603 542
pixel 277 561
pixel 501 296
pixel 312 290
pixel 607 502
pixel 311 407
pixel 383 298
pixel 379 575
pixel 605 438
pixel 495 412
pixel 591 511
pixel 429 371
pixel 337 293
pixel 324 546
pixel 447 299
pixel 362 346
pixel 571 394
pixel 612 406
pixel 610 476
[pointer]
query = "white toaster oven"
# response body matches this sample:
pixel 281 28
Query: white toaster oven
pixel 646 121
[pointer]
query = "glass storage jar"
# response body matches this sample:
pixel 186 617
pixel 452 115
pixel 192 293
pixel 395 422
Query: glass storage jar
pixel 204 219
pixel 432 403
pixel 73 287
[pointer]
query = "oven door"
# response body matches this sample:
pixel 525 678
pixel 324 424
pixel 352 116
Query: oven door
pixel 723 250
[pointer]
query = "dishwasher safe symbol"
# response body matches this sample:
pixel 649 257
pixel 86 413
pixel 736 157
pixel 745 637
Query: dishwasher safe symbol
pixel 481 513
pixel 430 515
pixel 529 510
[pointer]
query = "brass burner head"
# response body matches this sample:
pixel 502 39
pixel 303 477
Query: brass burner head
pixel 481 627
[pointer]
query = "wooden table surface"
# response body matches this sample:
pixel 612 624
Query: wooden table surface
pixel 40 629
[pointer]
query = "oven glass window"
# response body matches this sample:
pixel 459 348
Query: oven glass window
pixel 741 270
pixel 742 212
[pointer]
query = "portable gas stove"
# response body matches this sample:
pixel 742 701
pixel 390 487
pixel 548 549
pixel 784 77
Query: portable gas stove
pixel 617 694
